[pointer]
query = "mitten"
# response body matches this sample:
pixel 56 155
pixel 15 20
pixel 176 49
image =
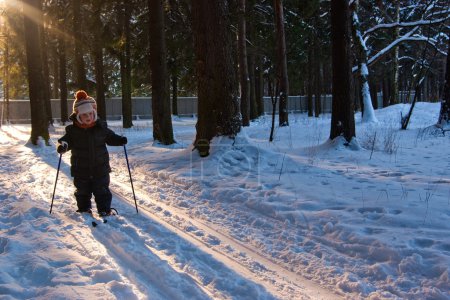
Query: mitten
pixel 62 148
pixel 124 140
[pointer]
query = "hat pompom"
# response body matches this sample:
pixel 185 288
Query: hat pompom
pixel 83 103
pixel 80 95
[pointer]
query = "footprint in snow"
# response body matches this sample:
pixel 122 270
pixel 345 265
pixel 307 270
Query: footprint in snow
pixel 3 244
pixel 371 230
pixel 378 210
pixel 423 243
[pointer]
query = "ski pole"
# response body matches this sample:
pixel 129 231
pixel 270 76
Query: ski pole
pixel 56 180
pixel 131 180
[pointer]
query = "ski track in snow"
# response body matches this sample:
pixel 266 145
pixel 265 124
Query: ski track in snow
pixel 251 237
pixel 160 253
pixel 230 252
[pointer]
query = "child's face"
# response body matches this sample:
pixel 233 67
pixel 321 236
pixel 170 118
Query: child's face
pixel 87 118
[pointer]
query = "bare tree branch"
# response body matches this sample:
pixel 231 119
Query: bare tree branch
pixel 405 24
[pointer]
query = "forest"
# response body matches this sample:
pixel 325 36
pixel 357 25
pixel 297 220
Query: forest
pixel 246 198
pixel 227 53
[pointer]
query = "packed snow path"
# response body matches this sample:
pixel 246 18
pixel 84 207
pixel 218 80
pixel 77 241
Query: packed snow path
pixel 160 253
pixel 251 221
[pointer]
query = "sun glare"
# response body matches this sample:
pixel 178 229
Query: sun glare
pixel 8 3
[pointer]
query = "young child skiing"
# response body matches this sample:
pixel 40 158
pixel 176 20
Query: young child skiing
pixel 87 138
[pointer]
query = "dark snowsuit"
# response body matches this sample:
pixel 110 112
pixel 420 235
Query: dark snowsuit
pixel 90 163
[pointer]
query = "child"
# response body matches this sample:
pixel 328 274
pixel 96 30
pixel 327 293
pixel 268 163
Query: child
pixel 87 137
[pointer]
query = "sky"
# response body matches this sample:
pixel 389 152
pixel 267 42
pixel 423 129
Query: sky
pixel 301 217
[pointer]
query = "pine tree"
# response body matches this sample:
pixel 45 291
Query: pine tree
pixel 444 115
pixel 39 126
pixel 342 116
pixel 162 119
pixel 282 75
pixel 218 102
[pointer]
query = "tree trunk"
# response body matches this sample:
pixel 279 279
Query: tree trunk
pixel 282 75
pixel 251 53
pixel 99 75
pixel 33 11
pixel 125 65
pixel 55 94
pixel 162 116
pixel 259 86
pixel 98 60
pixel 317 71
pixel 63 79
pixel 62 64
pixel 328 77
pixel 310 78
pixel 80 69
pixel 218 101
pixel 342 116
pixel 363 70
pixel 273 97
pixel 444 115
pixel 374 93
pixel 6 80
pixel 174 94
pixel 425 85
pixel 255 64
pixel 243 66
pixel 395 64
pixel 45 72
pixel 385 88
pixel 251 73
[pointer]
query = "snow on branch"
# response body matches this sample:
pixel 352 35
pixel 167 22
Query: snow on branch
pixel 405 24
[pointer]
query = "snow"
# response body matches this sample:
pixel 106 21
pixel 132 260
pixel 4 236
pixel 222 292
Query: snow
pixel 299 218
pixel 369 112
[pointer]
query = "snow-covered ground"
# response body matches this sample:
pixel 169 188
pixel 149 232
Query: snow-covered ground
pixel 298 218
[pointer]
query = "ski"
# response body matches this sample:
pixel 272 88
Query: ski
pixel 104 218
pixel 92 220
pixel 95 222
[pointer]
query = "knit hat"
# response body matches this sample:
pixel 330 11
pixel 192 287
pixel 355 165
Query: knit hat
pixel 84 104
